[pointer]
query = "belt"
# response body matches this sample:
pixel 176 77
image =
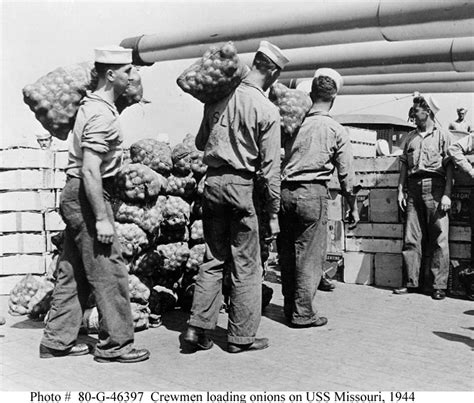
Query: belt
pixel 225 169
pixel 313 182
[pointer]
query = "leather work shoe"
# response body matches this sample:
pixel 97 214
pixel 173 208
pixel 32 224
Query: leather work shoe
pixel 198 338
pixel 78 349
pixel 134 355
pixel 326 285
pixel 258 344
pixel 438 294
pixel 321 321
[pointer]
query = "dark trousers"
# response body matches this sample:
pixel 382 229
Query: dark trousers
pixel 231 231
pixel 471 219
pixel 302 247
pixel 426 225
pixel 87 265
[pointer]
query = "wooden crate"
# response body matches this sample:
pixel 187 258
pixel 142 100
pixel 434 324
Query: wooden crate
pixel 335 237
pixel 21 222
pixel 372 245
pixel 26 158
pixel 455 286
pixel 377 164
pixel 358 268
pixel 22 264
pixel 460 251
pixel 369 180
pixel 362 206
pixel 22 243
pixel 459 213
pixel 388 270
pixel 335 206
pixel 26 179
pixel 375 230
pixel 460 234
pixel 27 200
pixel 383 206
pixel 362 141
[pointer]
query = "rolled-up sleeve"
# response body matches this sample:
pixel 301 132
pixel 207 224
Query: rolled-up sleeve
pixel 343 162
pixel 270 146
pixel 458 151
pixel 446 143
pixel 98 134
pixel 203 133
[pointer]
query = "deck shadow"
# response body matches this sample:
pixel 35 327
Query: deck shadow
pixel 456 338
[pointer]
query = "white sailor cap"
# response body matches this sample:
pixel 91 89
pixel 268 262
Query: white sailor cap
pixel 462 109
pixel 43 136
pixel 331 73
pixel 433 104
pixel 113 55
pixel 274 53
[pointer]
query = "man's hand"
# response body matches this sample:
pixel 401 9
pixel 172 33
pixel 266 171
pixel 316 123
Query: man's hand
pixel 274 228
pixel 445 203
pixel 105 231
pixel 402 200
pixel 353 217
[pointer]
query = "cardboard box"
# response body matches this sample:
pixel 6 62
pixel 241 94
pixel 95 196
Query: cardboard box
pixel 21 222
pixel 22 264
pixel 26 179
pixel 17 158
pixel 29 200
pixel 53 221
pixel 22 243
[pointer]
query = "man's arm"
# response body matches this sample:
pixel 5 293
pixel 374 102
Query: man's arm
pixel 95 194
pixel 402 179
pixel 343 161
pixel 457 151
pixel 269 143
pixel 203 133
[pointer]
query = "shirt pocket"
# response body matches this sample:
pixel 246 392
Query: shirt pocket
pixel 432 157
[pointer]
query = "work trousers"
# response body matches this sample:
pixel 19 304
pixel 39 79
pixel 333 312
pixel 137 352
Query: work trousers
pixel 426 225
pixel 231 231
pixel 302 247
pixel 87 265
pixel 471 220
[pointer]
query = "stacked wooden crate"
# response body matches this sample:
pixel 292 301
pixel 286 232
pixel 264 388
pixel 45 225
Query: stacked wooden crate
pixel 28 212
pixel 372 251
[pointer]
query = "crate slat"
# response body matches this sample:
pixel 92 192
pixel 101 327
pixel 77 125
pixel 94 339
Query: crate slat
pixel 374 245
pixel 372 230
pixel 377 164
